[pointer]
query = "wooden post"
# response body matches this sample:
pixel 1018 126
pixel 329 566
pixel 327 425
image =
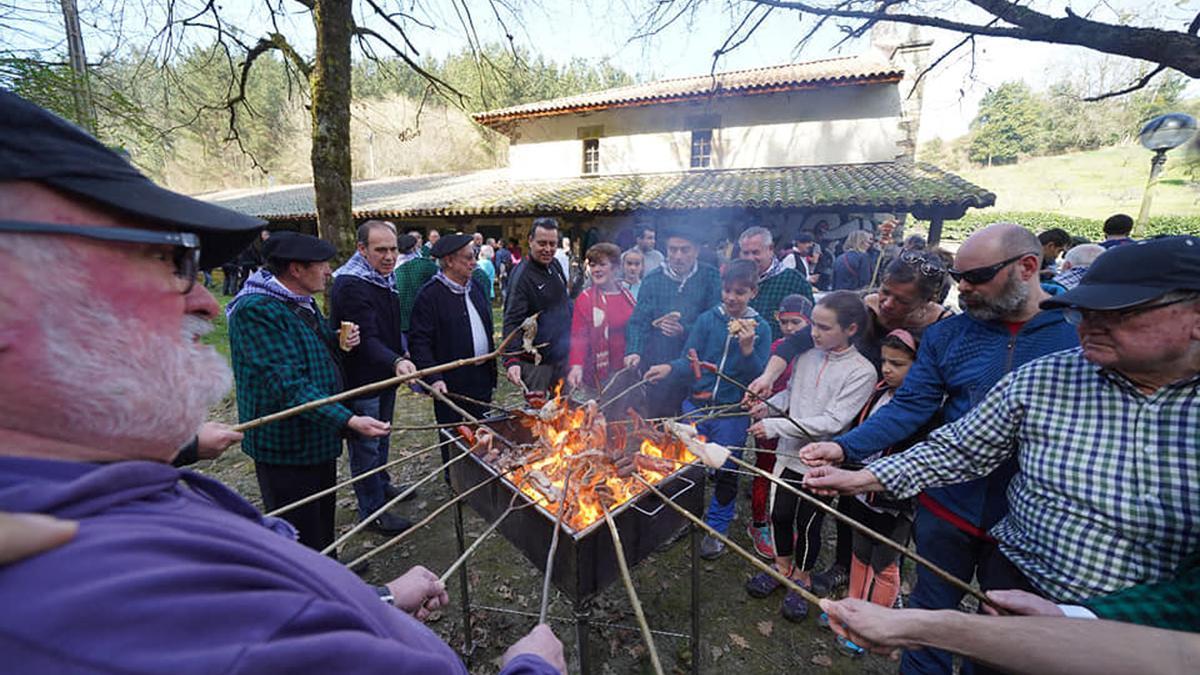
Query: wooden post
pixel 935 230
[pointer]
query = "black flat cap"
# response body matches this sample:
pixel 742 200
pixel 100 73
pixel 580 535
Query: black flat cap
pixel 406 243
pixel 1129 275
pixel 692 234
pixel 292 246
pixel 37 145
pixel 449 243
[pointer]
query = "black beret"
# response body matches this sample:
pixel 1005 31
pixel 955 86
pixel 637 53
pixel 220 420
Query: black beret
pixel 450 243
pixel 692 234
pixel 293 246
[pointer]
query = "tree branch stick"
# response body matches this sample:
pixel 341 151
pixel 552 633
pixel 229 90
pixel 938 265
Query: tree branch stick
pixel 562 510
pixel 479 540
pixel 647 636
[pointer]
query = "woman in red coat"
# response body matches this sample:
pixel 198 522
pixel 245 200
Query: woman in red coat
pixel 598 324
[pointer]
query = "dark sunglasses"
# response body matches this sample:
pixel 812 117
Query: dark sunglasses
pixel 1115 317
pixel 982 275
pixel 186 246
pixel 930 267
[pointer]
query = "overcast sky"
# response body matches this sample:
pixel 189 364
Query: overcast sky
pixel 604 29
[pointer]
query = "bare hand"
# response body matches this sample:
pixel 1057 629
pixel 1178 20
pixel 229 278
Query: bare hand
pixel 26 534
pixel 671 328
pixel 514 374
pixel 439 387
pixel 822 453
pixel 656 373
pixel 405 367
pixel 758 410
pixel 632 360
pixel 418 592
pixel 746 342
pixel 540 642
pixel 1022 603
pixel 575 377
pixel 829 481
pixel 213 438
pixel 758 429
pixel 870 626
pixel 368 426
pixel 352 336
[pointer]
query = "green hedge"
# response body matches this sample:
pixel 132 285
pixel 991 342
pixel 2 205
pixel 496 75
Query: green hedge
pixel 1092 229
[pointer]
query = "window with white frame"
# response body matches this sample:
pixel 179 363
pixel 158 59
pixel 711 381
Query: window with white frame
pixel 591 155
pixel 702 146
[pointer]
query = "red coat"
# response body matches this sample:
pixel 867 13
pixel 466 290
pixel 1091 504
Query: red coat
pixel 598 333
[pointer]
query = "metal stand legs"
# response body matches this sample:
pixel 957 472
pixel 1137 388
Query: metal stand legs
pixel 459 535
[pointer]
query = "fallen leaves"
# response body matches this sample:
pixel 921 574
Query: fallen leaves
pixel 822 660
pixel 765 628
pixel 739 641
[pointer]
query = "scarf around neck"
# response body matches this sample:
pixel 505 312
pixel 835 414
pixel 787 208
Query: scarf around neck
pixel 454 286
pixel 263 282
pixel 358 267
pixel 775 268
pixel 681 280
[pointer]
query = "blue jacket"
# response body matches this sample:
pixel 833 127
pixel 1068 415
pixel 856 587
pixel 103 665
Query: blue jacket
pixel 959 360
pixel 712 342
pixel 376 310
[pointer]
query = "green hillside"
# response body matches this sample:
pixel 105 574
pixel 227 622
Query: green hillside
pixel 1092 184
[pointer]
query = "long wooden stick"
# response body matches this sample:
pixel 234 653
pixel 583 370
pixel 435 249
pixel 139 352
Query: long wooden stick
pixel 458 409
pixel 366 522
pixel 780 412
pixel 479 540
pixel 317 495
pixel 647 636
pixel 425 521
pixel 886 541
pixel 382 384
pixel 781 578
pixel 562 510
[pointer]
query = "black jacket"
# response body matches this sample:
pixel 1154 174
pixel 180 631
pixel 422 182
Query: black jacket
pixel 441 332
pixel 376 310
pixel 534 287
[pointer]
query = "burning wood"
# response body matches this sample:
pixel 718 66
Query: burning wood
pixel 602 459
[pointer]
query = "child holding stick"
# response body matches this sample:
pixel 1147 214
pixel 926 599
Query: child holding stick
pixel 829 385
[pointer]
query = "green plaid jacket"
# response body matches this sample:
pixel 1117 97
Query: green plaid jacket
pixel 660 295
pixel 1105 498
pixel 279 362
pixel 772 292
pixel 1173 604
pixel 412 275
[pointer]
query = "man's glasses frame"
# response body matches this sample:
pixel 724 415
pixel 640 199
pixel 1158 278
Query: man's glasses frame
pixel 1115 317
pixel 186 256
pixel 981 275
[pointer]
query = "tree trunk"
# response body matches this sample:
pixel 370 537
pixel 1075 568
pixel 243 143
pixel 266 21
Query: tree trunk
pixel 330 81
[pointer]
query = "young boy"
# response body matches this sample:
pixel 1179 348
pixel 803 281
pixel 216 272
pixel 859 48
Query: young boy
pixel 737 340
pixel 793 316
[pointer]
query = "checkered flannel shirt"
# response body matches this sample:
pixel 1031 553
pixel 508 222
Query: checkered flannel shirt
pixel 1105 498
pixel 1174 604
pixel 772 292
pixel 412 275
pixel 280 362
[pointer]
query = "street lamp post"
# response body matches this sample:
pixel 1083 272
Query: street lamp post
pixel 1162 134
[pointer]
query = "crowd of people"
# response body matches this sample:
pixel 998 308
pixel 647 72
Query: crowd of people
pixel 1042 442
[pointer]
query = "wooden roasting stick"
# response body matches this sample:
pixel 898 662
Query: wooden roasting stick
pixel 712 368
pixel 317 495
pixel 562 510
pixel 647 636
pixel 458 409
pixel 384 384
pixel 780 577
pixel 512 506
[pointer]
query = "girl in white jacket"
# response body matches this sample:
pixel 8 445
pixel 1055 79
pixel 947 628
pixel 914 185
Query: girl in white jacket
pixel 829 385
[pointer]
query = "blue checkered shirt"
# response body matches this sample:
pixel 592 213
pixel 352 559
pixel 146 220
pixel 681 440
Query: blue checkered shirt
pixel 1106 497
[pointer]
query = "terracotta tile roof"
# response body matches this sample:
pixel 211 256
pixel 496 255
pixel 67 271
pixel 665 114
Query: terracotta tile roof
pixel 788 77
pixel 920 189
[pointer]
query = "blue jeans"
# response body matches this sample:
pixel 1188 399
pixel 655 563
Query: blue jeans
pixel 956 552
pixel 727 431
pixel 369 453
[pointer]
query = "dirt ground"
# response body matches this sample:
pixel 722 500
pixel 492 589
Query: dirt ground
pixel 739 633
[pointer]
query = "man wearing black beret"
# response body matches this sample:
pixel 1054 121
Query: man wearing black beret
pixel 284 353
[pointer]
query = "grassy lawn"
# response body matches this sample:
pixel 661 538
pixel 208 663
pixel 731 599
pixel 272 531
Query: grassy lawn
pixel 1092 184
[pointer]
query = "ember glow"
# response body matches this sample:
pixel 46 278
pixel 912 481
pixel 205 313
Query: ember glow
pixel 579 440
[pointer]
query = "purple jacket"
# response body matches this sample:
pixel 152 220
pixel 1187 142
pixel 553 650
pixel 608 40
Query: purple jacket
pixel 172 572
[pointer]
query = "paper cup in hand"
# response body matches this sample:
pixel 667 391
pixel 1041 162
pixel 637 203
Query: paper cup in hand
pixel 344 335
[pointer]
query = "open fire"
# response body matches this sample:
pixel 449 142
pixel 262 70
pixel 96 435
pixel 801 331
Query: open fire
pixel 601 458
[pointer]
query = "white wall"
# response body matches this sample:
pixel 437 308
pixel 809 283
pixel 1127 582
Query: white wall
pixel 841 125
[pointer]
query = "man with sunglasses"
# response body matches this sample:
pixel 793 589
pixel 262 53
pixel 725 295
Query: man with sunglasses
pixel 102 378
pixel 960 359
pixel 1106 435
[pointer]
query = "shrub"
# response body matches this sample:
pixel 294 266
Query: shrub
pixel 957 230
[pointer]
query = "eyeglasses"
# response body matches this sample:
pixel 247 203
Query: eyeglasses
pixel 1115 317
pixel 928 267
pixel 186 246
pixel 982 275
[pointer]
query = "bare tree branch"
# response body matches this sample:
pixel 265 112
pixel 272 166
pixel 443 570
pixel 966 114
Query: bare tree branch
pixel 1139 84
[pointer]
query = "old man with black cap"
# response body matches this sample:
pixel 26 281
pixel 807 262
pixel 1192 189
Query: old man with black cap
pixel 452 319
pixel 284 353
pixel 102 378
pixel 1105 435
pixel 670 300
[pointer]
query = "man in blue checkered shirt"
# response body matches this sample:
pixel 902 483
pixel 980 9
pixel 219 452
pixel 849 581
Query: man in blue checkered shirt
pixel 1105 436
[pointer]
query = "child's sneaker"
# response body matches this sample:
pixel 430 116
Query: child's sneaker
pixel 795 607
pixel 762 585
pixel 711 548
pixel 849 648
pixel 823 621
pixel 828 582
pixel 764 545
